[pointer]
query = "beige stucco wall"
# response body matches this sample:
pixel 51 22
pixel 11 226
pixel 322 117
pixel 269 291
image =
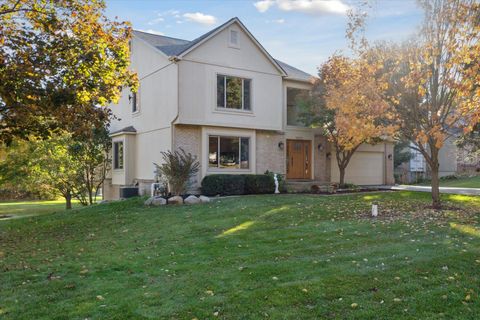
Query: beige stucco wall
pixel 126 175
pixel 447 158
pixel 198 85
pixel 269 156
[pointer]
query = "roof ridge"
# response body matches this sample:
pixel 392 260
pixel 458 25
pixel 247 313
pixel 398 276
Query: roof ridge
pixel 161 35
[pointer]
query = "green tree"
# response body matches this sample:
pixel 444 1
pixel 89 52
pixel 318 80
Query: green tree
pixel 60 62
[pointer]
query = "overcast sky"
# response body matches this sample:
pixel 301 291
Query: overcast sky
pixel 302 33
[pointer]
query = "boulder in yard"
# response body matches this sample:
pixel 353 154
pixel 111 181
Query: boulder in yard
pixel 148 202
pixel 204 199
pixel 191 200
pixel 175 200
pixel 158 201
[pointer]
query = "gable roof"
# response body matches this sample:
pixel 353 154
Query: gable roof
pixel 174 47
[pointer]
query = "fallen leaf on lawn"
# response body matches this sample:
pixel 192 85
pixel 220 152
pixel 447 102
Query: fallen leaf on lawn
pixel 397 300
pixel 99 297
pixel 83 271
pixel 354 305
pixel 209 292
pixel 274 278
pixel 468 297
pixel 304 290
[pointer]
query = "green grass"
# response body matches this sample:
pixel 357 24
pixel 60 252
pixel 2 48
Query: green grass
pixel 20 209
pixel 253 257
pixel 462 182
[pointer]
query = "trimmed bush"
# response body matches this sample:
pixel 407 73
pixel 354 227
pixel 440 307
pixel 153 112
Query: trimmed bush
pixel 236 184
pixel 212 185
pixel 259 183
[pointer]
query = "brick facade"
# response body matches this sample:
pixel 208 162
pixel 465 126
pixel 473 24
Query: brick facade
pixel 269 156
pixel 189 138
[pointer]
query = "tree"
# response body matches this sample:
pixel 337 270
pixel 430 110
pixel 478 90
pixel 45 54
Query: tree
pixel 178 168
pixel 346 103
pixel 92 153
pixel 429 84
pixel 60 63
pixel 401 153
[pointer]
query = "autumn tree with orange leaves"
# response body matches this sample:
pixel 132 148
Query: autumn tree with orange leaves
pixel 61 62
pixel 433 80
pixel 346 103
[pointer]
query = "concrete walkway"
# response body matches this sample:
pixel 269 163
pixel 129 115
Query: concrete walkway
pixel 464 191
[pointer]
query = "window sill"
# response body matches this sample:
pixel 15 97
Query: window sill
pixel 234 111
pixel 136 113
pixel 219 170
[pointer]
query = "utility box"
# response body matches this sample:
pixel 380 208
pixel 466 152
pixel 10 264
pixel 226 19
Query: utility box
pixel 128 192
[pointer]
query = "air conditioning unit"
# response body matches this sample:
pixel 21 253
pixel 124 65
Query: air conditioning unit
pixel 128 192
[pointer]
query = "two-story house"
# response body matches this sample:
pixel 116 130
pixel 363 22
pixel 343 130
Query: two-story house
pixel 226 100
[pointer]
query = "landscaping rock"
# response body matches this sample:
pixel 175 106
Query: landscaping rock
pixel 204 199
pixel 191 200
pixel 148 202
pixel 175 200
pixel 159 201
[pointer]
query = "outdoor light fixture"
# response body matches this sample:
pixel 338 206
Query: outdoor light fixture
pixel 320 147
pixel 130 98
pixel 390 156
pixel 329 156
pixel 281 145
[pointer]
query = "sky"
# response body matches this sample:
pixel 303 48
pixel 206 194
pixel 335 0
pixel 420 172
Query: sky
pixel 302 33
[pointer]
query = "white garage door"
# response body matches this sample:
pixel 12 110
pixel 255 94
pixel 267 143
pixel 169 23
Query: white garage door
pixel 365 168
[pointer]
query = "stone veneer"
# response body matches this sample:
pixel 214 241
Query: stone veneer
pixel 321 165
pixel 189 138
pixel 268 155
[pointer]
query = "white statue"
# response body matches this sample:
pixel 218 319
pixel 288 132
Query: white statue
pixel 374 210
pixel 276 183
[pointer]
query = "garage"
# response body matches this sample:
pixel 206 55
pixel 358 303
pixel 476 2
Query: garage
pixel 365 168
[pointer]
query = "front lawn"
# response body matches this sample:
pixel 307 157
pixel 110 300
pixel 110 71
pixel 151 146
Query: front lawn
pixel 20 209
pixel 252 257
pixel 461 182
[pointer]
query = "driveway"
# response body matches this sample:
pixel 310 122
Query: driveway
pixel 465 191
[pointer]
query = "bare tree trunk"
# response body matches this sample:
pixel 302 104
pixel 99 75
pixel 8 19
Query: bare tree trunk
pixel 68 200
pixel 342 175
pixel 434 167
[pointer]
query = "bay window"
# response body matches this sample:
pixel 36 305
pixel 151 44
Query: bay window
pixel 228 152
pixel 233 93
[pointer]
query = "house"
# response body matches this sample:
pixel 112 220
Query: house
pixel 226 100
pixel 416 169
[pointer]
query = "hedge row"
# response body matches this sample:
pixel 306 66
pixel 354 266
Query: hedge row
pixel 237 184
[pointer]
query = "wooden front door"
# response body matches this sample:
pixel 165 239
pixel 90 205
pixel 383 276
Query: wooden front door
pixel 299 159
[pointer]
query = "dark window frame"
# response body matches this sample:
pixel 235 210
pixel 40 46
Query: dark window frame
pixel 246 101
pixel 118 157
pixel 242 141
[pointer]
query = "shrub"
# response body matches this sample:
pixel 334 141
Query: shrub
pixel 178 168
pixel 212 185
pixel 235 184
pixel 259 183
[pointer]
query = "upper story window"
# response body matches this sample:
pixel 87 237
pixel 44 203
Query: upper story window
pixel 135 101
pixel 234 38
pixel 118 155
pixel 294 96
pixel 233 92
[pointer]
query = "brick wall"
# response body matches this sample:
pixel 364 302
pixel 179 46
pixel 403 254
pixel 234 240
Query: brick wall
pixel 189 138
pixel 321 165
pixel 269 156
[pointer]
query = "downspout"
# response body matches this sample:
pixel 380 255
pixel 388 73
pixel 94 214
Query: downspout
pixel 175 59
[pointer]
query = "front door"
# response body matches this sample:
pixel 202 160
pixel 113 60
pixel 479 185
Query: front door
pixel 298 159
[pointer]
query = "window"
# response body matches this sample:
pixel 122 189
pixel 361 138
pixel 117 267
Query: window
pixel 234 38
pixel 134 101
pixel 118 155
pixel 233 92
pixel 294 96
pixel 228 152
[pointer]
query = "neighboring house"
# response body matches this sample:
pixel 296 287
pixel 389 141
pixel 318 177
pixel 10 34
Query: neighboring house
pixel 224 99
pixel 417 168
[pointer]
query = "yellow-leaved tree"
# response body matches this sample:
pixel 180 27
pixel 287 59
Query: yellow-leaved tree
pixel 347 104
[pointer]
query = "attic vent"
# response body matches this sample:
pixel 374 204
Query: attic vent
pixel 234 38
